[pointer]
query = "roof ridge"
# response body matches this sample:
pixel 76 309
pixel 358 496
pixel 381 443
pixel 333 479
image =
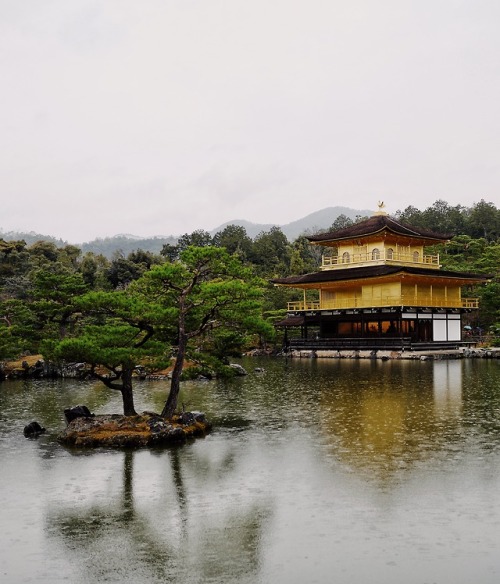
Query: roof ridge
pixel 377 223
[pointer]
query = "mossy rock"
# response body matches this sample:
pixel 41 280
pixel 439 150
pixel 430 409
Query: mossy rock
pixel 144 430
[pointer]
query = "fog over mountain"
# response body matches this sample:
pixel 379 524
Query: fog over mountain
pixel 127 243
pixel 309 224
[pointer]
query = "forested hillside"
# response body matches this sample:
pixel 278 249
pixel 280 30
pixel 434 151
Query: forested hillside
pixel 40 282
pixel 125 243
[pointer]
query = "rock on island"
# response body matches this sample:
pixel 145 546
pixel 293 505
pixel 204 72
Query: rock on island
pixel 147 429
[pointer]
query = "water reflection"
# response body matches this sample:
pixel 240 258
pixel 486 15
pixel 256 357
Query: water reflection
pixel 158 525
pixel 317 471
pixel 386 418
pixel 447 385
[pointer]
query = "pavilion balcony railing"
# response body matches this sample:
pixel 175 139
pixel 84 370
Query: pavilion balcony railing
pixel 405 300
pixel 381 257
pixel 300 305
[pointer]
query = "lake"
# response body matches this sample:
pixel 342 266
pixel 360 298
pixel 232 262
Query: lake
pixel 317 471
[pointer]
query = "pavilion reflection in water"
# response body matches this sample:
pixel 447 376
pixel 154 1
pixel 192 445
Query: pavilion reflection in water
pixel 392 417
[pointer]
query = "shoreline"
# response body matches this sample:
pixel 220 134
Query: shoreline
pixel 379 354
pixel 35 367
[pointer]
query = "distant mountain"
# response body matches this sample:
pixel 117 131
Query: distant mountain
pixel 252 229
pixel 126 244
pixel 309 224
pixel 30 237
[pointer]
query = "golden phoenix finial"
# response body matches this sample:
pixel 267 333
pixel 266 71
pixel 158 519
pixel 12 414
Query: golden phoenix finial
pixel 381 206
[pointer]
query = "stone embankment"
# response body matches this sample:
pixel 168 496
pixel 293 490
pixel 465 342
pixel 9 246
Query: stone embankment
pixel 35 367
pixel 477 353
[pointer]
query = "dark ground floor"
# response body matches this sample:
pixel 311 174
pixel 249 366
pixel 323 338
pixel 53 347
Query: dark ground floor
pixel 387 328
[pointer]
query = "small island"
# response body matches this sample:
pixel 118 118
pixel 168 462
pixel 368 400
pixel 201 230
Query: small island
pixel 146 430
pixel 201 307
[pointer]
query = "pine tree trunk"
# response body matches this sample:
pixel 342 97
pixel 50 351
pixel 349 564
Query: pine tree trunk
pixel 127 393
pixel 175 384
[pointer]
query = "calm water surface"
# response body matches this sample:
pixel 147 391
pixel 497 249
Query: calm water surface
pixel 316 472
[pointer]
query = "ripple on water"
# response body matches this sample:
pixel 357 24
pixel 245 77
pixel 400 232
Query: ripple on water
pixel 315 471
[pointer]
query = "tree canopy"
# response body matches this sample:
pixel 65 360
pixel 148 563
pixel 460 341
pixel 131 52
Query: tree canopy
pixel 205 290
pixel 115 335
pixel 207 286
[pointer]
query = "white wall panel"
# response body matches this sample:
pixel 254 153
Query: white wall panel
pixel 439 330
pixel 454 330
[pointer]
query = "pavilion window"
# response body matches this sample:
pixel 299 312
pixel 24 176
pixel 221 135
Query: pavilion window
pixel 375 254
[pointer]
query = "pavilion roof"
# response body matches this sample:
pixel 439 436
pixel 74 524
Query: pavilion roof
pixel 349 274
pixel 377 224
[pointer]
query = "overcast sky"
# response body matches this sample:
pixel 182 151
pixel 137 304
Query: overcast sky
pixel 160 117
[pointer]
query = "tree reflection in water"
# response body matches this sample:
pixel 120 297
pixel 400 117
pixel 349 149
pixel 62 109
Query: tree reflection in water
pixel 173 537
pixel 318 470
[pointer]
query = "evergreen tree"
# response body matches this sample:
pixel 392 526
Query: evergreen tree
pixel 206 290
pixel 54 293
pixel 235 239
pixel 271 253
pixel 115 333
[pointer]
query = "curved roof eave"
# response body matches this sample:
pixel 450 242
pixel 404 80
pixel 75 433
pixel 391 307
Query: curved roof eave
pixel 377 224
pixel 375 272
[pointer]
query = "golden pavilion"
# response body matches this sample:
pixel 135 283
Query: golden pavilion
pixel 378 288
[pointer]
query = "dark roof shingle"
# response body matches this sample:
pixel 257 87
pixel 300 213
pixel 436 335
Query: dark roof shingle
pixel 373 272
pixel 375 224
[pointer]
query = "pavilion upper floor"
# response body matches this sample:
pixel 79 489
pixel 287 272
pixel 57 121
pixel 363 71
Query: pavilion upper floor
pixel 351 254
